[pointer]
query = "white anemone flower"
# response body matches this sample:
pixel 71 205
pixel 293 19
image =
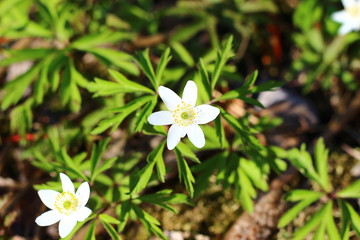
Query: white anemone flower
pixel 183 116
pixel 67 207
pixel 349 17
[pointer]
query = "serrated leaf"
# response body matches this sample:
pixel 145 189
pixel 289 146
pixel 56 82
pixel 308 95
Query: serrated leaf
pixel 126 83
pixel 254 173
pixel 185 173
pixel 183 54
pixel 109 219
pixel 145 64
pixel 354 218
pixel 164 60
pixel 301 194
pixel 90 234
pixel 15 89
pixel 110 230
pixel 205 79
pixel 143 176
pixel 293 212
pixel 351 191
pixel 143 115
pixel 116 58
pixel 96 154
pixel 187 152
pixel 222 58
pixel 89 41
pixel 13 56
pixel 314 221
pixel 124 111
pixel 331 228
pixel 345 221
pixel 160 165
pixel 71 164
pixel 149 222
pixel 321 159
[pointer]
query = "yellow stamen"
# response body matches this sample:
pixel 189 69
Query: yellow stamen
pixel 66 203
pixel 184 114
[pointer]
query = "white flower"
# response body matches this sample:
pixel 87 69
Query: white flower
pixel 67 207
pixel 349 17
pixel 183 116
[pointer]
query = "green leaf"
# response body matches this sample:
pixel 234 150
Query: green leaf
pixel 110 230
pixel 107 164
pixel 245 190
pixel 145 64
pixel 185 173
pixel 266 86
pixel 205 79
pixel 69 90
pixel 143 176
pixel 321 158
pixel 183 54
pixel 90 234
pixel 222 58
pixel 149 221
pixel 13 56
pixel 41 84
pixel 119 59
pixel 187 152
pixel 22 117
pixel 126 83
pixel 143 115
pixel 255 174
pixel 293 212
pixel 351 191
pixel 124 111
pixel 108 219
pixel 220 132
pixel 71 165
pixel 345 221
pixel 246 89
pixel 160 165
pixel 301 194
pixel 89 41
pixel 331 228
pixel 15 89
pixel 96 154
pixel 164 60
pixel 320 232
pixel 314 221
pixel 354 218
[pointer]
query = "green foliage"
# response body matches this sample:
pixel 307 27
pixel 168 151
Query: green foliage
pixel 93 82
pixel 322 222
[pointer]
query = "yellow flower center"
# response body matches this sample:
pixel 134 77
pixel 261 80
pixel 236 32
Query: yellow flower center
pixel 184 114
pixel 354 11
pixel 66 203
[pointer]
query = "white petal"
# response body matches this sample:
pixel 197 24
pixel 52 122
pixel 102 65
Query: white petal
pixel 340 16
pixel 48 197
pixel 161 118
pixel 206 113
pixel 170 98
pixel 346 28
pixel 190 93
pixel 174 135
pixel 82 213
pixel 83 194
pixel 348 3
pixel 196 135
pixel 66 225
pixel 67 184
pixel 48 218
